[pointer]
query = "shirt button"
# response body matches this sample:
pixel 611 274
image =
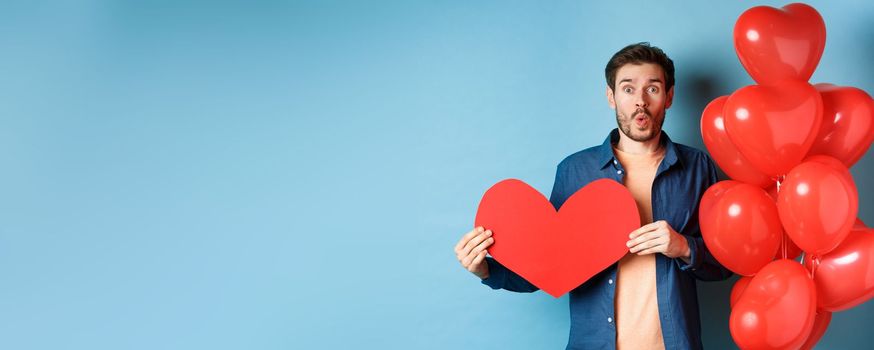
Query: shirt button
pixel 610 281
pixel 609 319
pixel 614 161
pixel 619 172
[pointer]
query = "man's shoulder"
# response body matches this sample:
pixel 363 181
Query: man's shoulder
pixel 587 156
pixel 692 155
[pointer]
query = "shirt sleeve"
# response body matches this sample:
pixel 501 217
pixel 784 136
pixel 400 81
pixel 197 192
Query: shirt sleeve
pixel 501 277
pixel 560 192
pixel 703 265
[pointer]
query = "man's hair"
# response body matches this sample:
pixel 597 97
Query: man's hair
pixel 639 53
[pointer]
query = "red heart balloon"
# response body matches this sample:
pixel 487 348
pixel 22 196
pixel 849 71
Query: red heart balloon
pixel 820 325
pixel 740 226
pixel 738 289
pixel 713 195
pixel 847 128
pixel 845 276
pixel 818 204
pixel 776 44
pixel 558 251
pixel 776 310
pixel 723 151
pixel 774 126
pixel 836 165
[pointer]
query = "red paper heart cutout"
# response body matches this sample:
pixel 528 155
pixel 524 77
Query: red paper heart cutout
pixel 558 251
pixel 775 44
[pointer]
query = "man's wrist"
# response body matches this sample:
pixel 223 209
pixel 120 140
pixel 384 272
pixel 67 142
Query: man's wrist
pixel 687 251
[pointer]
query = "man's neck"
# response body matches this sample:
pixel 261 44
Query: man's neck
pixel 627 145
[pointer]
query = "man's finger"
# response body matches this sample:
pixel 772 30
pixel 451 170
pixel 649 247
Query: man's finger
pixel 477 260
pixel 475 241
pixel 655 249
pixel 482 246
pixel 467 251
pixel 652 240
pixel 641 246
pixel 643 229
pixel 648 236
pixel 477 250
pixel 467 236
pixel 655 242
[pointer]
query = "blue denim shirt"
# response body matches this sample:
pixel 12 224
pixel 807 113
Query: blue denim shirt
pixel 680 181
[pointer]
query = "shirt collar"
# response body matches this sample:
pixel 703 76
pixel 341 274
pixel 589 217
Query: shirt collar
pixel 606 156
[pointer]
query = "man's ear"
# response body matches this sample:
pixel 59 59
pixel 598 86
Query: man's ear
pixel 670 98
pixel 610 98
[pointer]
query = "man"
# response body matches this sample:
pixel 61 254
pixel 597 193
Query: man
pixel 648 299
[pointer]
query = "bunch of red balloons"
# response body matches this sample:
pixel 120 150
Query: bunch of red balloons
pixel 787 145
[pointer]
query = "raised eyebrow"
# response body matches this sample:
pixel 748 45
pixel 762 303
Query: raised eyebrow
pixel 627 80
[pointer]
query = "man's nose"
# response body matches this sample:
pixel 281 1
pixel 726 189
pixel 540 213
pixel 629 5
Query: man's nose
pixel 640 101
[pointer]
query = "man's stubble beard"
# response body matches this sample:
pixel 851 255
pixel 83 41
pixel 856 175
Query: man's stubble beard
pixel 625 128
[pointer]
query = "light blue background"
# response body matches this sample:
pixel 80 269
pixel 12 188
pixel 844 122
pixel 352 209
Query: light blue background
pixel 273 175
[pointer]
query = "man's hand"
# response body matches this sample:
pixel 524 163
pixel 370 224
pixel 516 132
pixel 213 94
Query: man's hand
pixel 471 251
pixel 659 237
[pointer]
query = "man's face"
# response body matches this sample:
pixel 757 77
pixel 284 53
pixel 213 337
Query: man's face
pixel 640 100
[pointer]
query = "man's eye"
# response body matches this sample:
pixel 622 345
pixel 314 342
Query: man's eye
pixel 653 90
pixel 628 90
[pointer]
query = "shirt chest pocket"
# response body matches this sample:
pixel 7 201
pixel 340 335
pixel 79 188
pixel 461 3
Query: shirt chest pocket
pixel 675 204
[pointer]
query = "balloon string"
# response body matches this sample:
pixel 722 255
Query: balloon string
pixel 814 263
pixel 783 245
pixel 783 238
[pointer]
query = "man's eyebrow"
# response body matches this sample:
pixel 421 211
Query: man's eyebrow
pixel 654 80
